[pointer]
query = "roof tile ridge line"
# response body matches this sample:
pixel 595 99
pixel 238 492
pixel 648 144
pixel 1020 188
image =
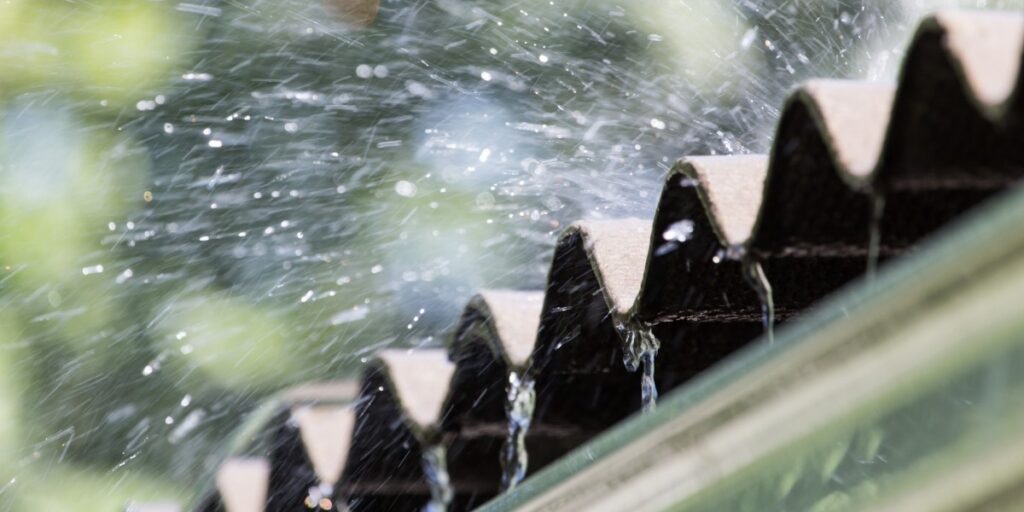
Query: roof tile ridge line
pixel 803 97
pixel 696 168
pixel 859 166
pixel 993 101
pixel 837 109
pixel 316 425
pixel 497 343
pixel 621 312
pixel 425 433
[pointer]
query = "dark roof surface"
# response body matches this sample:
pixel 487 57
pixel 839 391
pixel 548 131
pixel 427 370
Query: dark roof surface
pixel 855 169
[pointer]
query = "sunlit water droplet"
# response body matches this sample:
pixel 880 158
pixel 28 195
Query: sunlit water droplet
pixel 124 276
pixel 405 188
pixel 680 231
pixel 95 269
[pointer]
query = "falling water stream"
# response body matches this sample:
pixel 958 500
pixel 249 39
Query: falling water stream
pixel 519 410
pixel 435 468
pixel 875 232
pixel 640 350
pixel 754 274
pixel 322 496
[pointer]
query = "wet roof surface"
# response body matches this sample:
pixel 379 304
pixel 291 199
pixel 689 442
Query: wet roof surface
pixel 855 170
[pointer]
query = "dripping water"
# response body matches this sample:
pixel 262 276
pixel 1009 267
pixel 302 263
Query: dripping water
pixel 435 468
pixel 648 388
pixel 519 410
pixel 322 496
pixel 754 274
pixel 875 232
pixel 640 350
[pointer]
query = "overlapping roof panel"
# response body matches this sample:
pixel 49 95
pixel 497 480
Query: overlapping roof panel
pixel 856 171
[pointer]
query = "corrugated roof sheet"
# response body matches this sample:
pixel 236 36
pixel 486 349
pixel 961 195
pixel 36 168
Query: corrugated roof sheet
pixel 855 169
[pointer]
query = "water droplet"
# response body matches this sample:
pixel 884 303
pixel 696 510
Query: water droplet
pixel 124 276
pixel 657 124
pixel 95 269
pixel 405 188
pixel 748 38
pixel 364 71
pixel 486 76
pixel 680 231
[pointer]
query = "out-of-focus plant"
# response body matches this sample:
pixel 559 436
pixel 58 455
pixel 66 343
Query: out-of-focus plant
pixel 234 344
pixel 108 51
pixel 87 490
pixel 12 392
pixel 701 40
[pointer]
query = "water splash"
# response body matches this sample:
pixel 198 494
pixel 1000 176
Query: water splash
pixel 435 468
pixel 640 349
pixel 754 274
pixel 321 497
pixel 519 410
pixel 875 232
pixel 648 388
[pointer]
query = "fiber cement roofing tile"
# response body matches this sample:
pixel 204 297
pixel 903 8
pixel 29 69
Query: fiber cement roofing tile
pixel 243 483
pixel 506 321
pixel 849 161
